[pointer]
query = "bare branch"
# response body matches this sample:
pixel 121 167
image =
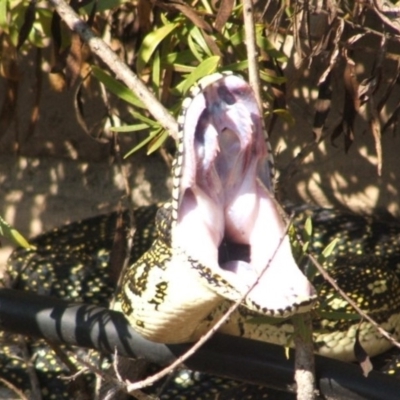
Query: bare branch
pixel 36 393
pixel 250 37
pixel 304 368
pixel 14 389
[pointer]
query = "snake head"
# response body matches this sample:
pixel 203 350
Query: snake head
pixel 222 200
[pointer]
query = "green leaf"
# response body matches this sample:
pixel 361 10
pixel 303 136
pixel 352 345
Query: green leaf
pixel 157 142
pixel 270 49
pixel 156 73
pixel 308 227
pixel 206 67
pixel 194 49
pixel 3 14
pixel 272 79
pixel 25 29
pixel 151 136
pixel 198 37
pixel 116 87
pixel 185 69
pixel 144 119
pixel 329 249
pixel 237 38
pixel 285 115
pixel 10 233
pixel 150 44
pixel 130 128
pixel 183 57
pixel 238 66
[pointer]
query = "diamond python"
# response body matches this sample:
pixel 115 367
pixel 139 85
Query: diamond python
pixel 216 278
pixel 72 262
pixel 220 231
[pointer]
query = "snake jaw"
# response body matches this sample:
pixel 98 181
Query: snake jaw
pixel 223 196
pixel 220 200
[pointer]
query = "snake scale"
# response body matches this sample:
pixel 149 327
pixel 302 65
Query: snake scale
pixel 72 262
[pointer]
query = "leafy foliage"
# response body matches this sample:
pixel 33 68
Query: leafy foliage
pixel 10 233
pixel 170 45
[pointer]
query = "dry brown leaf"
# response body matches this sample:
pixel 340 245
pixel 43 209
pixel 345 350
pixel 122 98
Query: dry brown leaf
pixel 38 92
pixel 57 81
pixel 337 132
pixel 368 86
pixel 145 10
pixel 211 44
pixel 335 36
pixel 224 12
pixel 118 250
pixel 352 101
pixel 389 89
pixel 393 119
pixel 9 106
pixel 379 7
pixel 351 84
pixel 74 60
pixel 8 65
pixel 27 25
pixel 362 356
pixel 351 105
pixel 279 91
pixel 187 11
pixel 78 106
pixel 376 133
pixel 92 14
pixel 59 59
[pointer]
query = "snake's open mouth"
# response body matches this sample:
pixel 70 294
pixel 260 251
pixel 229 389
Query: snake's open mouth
pixel 225 201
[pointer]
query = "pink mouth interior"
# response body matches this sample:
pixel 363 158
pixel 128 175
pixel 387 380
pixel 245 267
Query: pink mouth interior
pixel 227 218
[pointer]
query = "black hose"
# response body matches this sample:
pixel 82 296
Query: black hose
pixel 252 361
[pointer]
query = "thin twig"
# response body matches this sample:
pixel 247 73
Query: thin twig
pixel 14 389
pixel 250 38
pixel 36 393
pixel 88 366
pixel 120 69
pixel 152 379
pixel 329 279
pixel 131 211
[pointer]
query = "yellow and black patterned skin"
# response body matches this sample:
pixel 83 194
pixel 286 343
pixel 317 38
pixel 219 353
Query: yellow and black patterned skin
pixel 84 248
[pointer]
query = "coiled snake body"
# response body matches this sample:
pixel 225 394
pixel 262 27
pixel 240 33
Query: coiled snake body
pixel 221 201
pixel 218 233
pixel 72 262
